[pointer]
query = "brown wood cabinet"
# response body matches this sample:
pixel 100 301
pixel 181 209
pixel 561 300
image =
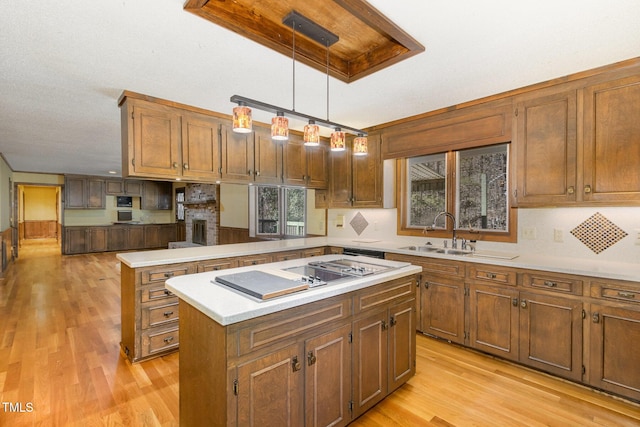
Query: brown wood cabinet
pixel 305 166
pixel 84 192
pixel 200 147
pixel 85 239
pixel 297 366
pixel 267 158
pixel 546 135
pixel 123 187
pixel 156 195
pixel 125 237
pixel 356 181
pixel 237 155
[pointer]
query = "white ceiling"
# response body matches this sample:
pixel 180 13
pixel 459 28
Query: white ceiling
pixel 63 65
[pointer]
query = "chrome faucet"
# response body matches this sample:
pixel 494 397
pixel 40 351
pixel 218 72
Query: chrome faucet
pixel 454 241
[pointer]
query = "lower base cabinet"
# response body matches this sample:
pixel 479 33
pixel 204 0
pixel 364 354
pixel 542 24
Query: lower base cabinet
pixel 320 364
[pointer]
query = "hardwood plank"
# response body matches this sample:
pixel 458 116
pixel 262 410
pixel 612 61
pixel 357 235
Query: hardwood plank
pixel 59 350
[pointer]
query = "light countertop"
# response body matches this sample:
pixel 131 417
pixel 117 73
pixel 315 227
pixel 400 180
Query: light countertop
pixel 227 306
pixel 568 264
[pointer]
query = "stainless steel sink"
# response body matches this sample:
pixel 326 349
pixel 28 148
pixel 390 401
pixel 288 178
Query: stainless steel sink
pixel 434 249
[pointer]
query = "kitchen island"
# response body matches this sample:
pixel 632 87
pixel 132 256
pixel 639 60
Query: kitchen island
pixel 320 356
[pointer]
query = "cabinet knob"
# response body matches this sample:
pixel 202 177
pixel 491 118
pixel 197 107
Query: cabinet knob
pixel 550 284
pixel 186 166
pixel 257 173
pixel 595 317
pixel 168 339
pixel 295 364
pixel 571 190
pixel 167 313
pixel 514 302
pixel 523 303
pixel 175 165
pixel 587 189
pixel 426 285
pixel 393 321
pixel 311 358
pixel 384 325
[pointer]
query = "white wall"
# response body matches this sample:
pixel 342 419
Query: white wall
pixel 383 226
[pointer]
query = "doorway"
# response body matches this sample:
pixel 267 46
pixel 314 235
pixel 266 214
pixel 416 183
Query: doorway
pixel 39 214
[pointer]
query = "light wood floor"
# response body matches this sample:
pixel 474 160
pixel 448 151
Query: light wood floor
pixel 59 353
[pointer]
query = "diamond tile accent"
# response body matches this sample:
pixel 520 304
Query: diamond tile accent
pixel 359 223
pixel 598 233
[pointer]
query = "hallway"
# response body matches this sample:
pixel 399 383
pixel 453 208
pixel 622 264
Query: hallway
pixel 60 365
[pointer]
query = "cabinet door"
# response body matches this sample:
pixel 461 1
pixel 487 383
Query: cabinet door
pixel 340 195
pixel 493 320
pixel 117 238
pixel 200 147
pixel 132 188
pixel 317 164
pixel 295 161
pixel 268 158
pixel 97 239
pixel 328 379
pixel 546 149
pixel 551 334
pixel 614 350
pixel 151 236
pixel 402 343
pixel 370 370
pixel 156 196
pixel 367 176
pixel 270 389
pixel 167 233
pixel 114 187
pixel 442 307
pixel 611 147
pixel 96 198
pixel 135 237
pixel 75 190
pixel 156 140
pixel 75 240
pixel 237 155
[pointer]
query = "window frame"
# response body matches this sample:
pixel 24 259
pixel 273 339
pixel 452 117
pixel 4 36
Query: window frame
pixel 282 212
pixel 405 229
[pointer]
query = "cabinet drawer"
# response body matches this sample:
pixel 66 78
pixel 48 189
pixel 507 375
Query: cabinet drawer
pixel 313 252
pixel 156 315
pixel 628 292
pixel 552 283
pixel 254 260
pixel 164 272
pixel 217 264
pixel 285 256
pixel 291 324
pixel 158 340
pixel 431 265
pixel 492 274
pixel 383 294
pixel 154 293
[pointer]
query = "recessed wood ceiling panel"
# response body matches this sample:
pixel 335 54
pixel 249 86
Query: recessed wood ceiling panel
pixel 368 41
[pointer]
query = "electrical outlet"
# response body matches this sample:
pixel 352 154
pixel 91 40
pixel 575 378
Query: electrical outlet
pixel 529 233
pixel 558 235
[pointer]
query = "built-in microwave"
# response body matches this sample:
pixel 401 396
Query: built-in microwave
pixel 124 201
pixel 124 216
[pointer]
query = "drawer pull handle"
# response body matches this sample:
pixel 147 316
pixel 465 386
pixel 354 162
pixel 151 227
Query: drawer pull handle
pixel 550 284
pixel 628 295
pixel 491 275
pixel 168 339
pixel 168 313
pixel 167 292
pixel 169 274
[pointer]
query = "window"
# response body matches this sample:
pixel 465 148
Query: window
pixel 472 184
pixel 279 211
pixel 180 204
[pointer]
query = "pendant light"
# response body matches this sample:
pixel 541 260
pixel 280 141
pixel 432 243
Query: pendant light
pixel 242 119
pixel 311 134
pixel 279 127
pixel 338 140
pixel 360 147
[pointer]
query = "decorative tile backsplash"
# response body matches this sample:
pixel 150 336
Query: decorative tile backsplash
pixel 359 223
pixel 598 233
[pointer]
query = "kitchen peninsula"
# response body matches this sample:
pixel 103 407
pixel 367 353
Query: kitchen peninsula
pixel 320 356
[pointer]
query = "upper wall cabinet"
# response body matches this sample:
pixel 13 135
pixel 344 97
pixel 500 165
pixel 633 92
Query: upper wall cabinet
pixel 579 143
pixel 237 155
pixel 305 166
pixel 267 157
pixel 546 152
pixel 160 141
pixel 82 192
pixel 123 187
pixel 356 181
pixel 611 140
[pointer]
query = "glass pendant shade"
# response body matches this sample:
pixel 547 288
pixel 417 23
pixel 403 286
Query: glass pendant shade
pixel 242 119
pixel 360 147
pixel 311 134
pixel 338 140
pixel 279 128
